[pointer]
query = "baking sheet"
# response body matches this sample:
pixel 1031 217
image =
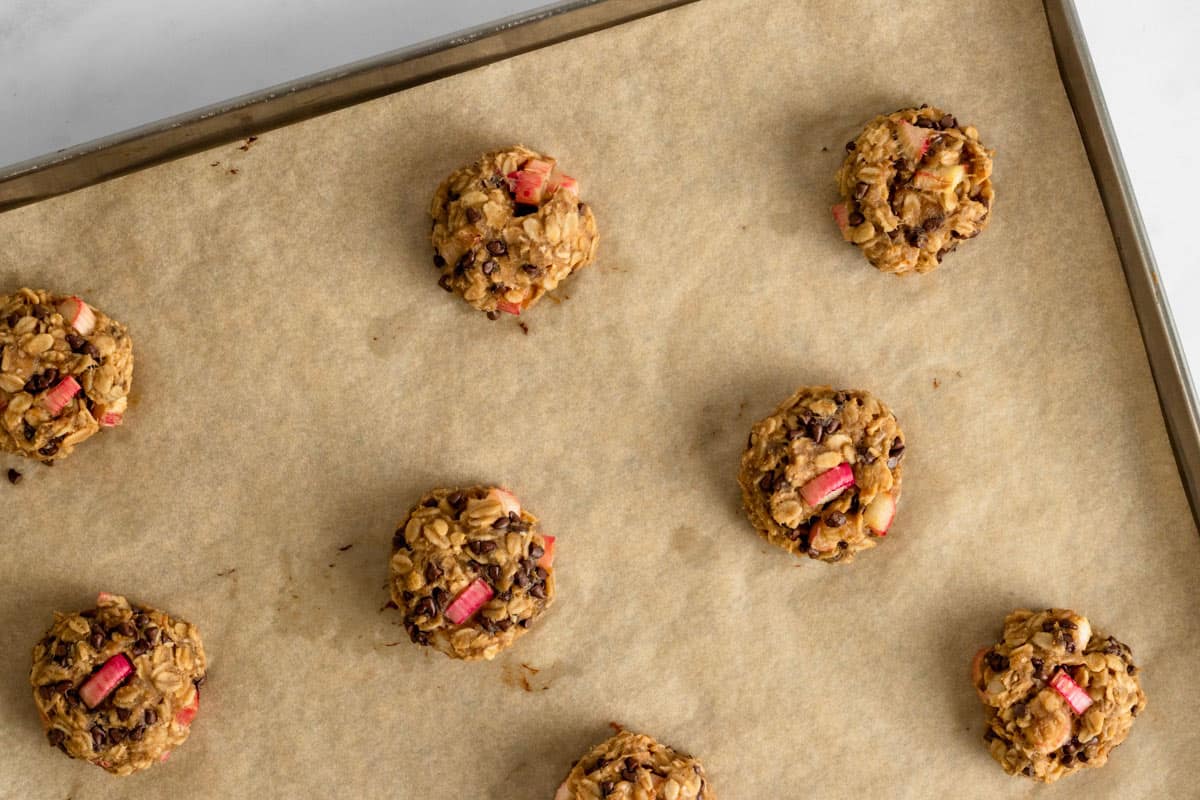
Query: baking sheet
pixel 301 380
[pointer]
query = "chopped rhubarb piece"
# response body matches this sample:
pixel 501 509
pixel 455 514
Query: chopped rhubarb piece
pixel 508 501
pixel 104 598
pixel 914 140
pixel 538 166
pixel 78 315
pixel 509 308
pixel 879 514
pixel 164 756
pixel 110 416
pixel 821 538
pixel 828 485
pixel 564 182
pixel 186 714
pixel 469 600
pixel 57 398
pixel 105 681
pixel 841 215
pixel 1076 697
pixel 548 556
pixel 529 187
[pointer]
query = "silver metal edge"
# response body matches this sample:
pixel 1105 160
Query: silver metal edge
pixel 255 113
pixel 1176 393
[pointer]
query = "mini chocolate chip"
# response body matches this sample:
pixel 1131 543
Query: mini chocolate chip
pixel 432 572
pixel 490 266
pixel 444 282
pixel 925 122
pixel 452 196
pixel 1066 623
pixel 1130 669
pixel 1018 710
pixel 465 261
pixel 856 218
pixel 204 678
pixel 843 545
pixel 98 737
pixel 932 224
pixel 538 591
pixel 536 551
pixel 116 735
pixel 836 520
pixel 606 788
pixel 850 147
pixel 493 315
pixel 482 547
pixel 860 191
pixel 137 733
pixel 530 269
pixel 916 237
pixel 12 321
pixel 139 647
pixel 438 261
pixel 398 540
pixel 497 247
pixel 501 523
pixel 948 121
pixel 28 431
pixel 492 571
pixel 97 639
pixel 1027 771
pixel 457 500
pixel 126 629
pixel 1070 645
pixel 996 662
pixel 1067 758
pixel 1133 711
pixel 123 713
pixel 56 737
pixel 832 425
pixel 14 477
pixel 1082 757
pixel 524 210
pixel 521 579
pixel 473 215
pixel 62 687
pixel 40 311
pixel 439 598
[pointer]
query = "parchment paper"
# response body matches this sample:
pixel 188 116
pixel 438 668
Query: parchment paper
pixel 301 379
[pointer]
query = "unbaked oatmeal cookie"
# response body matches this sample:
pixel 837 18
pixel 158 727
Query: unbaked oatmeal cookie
pixel 821 476
pixel 633 766
pixel 118 685
pixel 65 373
pixel 915 183
pixel 509 228
pixel 1057 695
pixel 471 571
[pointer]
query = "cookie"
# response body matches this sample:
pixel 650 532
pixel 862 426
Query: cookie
pixel 821 476
pixel 1058 696
pixel 118 685
pixel 471 571
pixel 65 373
pixel 509 228
pixel 633 766
pixel 914 184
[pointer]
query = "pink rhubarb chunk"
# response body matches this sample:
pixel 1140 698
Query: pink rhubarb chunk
pixel 110 416
pixel 879 514
pixel 508 501
pixel 548 556
pixel 469 600
pixel 57 398
pixel 558 181
pixel 509 308
pixel 78 315
pixel 1076 697
pixel 528 187
pixel 841 215
pixel 105 681
pixel 828 485
pixel 914 140
pixel 186 714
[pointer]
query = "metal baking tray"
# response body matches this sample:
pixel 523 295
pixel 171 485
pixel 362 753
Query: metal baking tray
pixel 122 153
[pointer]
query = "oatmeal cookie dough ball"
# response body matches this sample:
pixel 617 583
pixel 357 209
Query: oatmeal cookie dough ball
pixel 471 571
pixel 1057 695
pixel 633 766
pixel 915 183
pixel 509 228
pixel 821 476
pixel 118 685
pixel 65 373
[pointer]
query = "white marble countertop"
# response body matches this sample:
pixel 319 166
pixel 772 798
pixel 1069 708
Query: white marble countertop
pixel 75 70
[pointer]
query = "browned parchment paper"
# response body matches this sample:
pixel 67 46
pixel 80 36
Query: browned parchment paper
pixel 301 379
